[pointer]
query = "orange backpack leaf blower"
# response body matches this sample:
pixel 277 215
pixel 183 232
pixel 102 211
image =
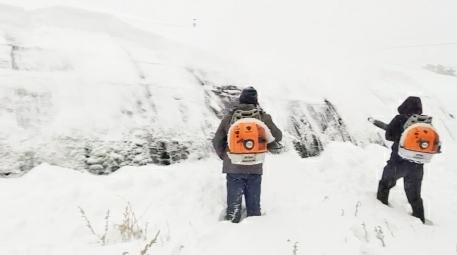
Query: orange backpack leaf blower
pixel 247 138
pixel 419 141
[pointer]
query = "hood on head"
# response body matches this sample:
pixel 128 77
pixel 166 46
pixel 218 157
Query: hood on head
pixel 412 105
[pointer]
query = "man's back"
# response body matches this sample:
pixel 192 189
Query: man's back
pixel 220 140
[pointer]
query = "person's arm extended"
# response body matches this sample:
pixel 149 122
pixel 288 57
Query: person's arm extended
pixel 378 123
pixel 220 137
pixel 275 131
pixel 394 129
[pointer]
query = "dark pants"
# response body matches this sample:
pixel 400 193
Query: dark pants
pixel 412 174
pixel 237 186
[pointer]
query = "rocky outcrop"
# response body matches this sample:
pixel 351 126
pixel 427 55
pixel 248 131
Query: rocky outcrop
pixel 314 125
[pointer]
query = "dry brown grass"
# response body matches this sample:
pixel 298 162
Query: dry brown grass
pixel 128 229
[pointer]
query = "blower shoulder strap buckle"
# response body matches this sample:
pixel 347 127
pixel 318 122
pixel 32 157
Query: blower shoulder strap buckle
pixel 417 118
pixel 239 114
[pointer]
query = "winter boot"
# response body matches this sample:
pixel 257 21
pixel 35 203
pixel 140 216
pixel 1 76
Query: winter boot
pixel 418 210
pixel 233 215
pixel 383 193
pixel 233 218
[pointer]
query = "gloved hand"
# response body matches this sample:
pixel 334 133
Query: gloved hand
pixel 222 156
pixel 275 147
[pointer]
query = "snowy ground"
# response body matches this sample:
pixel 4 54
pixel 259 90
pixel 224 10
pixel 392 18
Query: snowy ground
pixel 323 205
pixel 88 74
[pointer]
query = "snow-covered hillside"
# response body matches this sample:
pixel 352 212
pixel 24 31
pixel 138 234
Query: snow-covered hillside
pixel 101 87
pixel 76 82
pixel 100 94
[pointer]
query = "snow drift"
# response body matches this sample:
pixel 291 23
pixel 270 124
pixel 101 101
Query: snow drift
pixel 322 205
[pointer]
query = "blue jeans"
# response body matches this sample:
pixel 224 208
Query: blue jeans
pixel 239 185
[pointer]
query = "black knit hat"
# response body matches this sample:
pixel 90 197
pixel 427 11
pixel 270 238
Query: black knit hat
pixel 249 96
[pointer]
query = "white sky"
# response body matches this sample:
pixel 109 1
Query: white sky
pixel 289 31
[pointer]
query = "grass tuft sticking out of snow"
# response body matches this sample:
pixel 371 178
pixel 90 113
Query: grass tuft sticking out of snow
pixel 128 229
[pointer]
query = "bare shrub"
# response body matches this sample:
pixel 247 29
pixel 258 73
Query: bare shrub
pixel 149 244
pixel 129 228
pixel 100 238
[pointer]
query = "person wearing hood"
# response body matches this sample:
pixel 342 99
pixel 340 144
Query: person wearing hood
pixel 242 179
pixel 398 167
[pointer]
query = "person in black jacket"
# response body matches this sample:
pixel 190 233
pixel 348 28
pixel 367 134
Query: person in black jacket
pixel 398 167
pixel 242 179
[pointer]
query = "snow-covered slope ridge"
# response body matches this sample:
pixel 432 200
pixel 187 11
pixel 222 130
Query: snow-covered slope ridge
pixel 84 90
pixel 72 80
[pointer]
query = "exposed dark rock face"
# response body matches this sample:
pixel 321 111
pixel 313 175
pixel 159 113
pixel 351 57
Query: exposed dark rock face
pixel 306 142
pixel 106 157
pixel 226 97
pixel 310 126
pixel 314 125
pixel 333 125
pixel 219 98
pixel 19 162
pixel 100 157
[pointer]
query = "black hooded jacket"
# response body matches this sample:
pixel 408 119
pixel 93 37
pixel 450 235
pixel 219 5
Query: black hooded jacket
pixel 412 105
